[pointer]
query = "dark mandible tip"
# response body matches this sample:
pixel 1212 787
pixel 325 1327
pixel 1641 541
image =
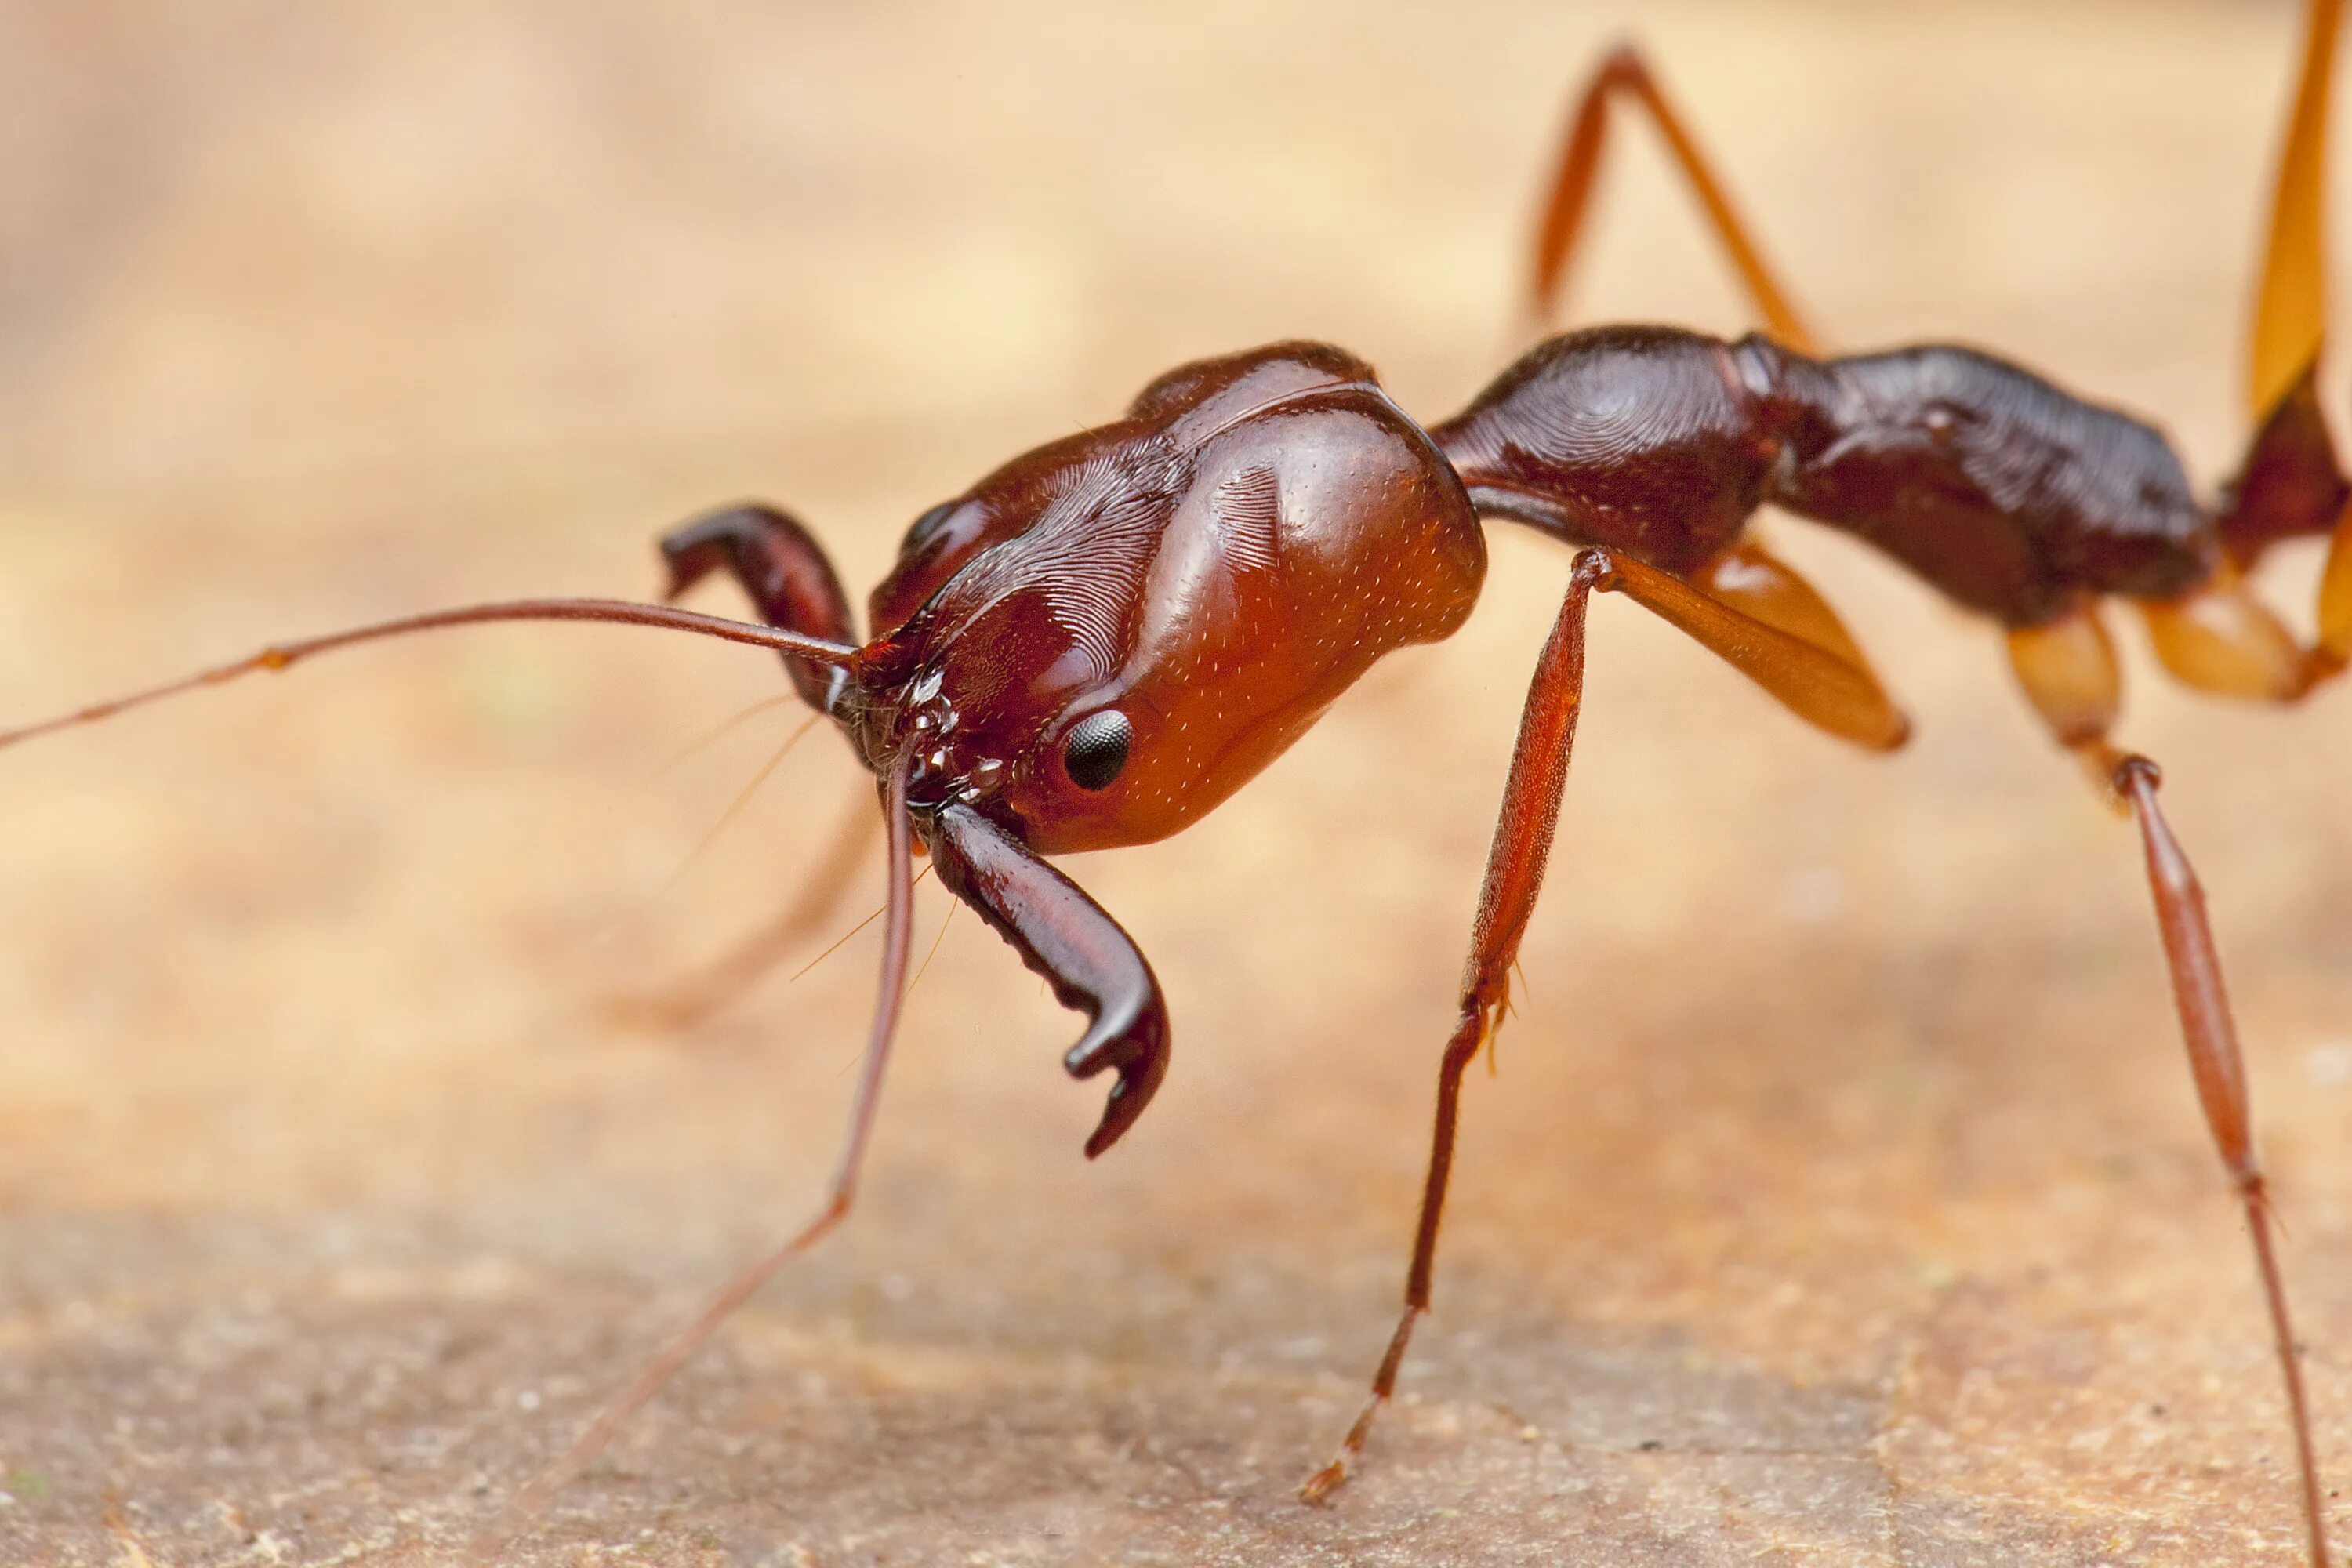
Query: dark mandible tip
pixel 1136 1045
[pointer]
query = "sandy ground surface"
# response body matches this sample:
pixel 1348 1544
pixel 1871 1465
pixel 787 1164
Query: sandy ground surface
pixel 1841 1198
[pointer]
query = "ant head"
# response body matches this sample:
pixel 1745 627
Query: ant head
pixel 1009 627
pixel 1107 636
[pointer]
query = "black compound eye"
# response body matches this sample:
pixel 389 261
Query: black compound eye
pixel 926 528
pixel 1097 748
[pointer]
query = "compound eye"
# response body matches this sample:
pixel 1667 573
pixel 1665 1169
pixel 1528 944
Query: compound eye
pixel 1097 748
pixel 927 528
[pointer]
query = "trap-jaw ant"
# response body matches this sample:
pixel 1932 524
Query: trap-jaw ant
pixel 1098 643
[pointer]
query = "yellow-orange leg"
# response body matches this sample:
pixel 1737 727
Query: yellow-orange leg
pixel 2220 638
pixel 2070 675
pixel 2290 320
pixel 1811 669
pixel 1623 73
pixel 1752 579
pixel 2069 672
pixel 2335 650
pixel 1753 610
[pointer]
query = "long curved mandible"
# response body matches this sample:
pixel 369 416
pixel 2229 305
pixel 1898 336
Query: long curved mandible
pixel 1062 934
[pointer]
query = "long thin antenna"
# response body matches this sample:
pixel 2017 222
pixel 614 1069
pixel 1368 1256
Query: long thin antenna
pixel 278 656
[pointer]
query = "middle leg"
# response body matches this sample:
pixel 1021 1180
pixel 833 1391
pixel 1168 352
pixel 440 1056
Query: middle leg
pixel 2068 670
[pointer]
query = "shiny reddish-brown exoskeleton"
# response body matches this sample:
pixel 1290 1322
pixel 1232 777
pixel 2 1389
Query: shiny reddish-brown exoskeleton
pixel 1106 637
pixel 1102 640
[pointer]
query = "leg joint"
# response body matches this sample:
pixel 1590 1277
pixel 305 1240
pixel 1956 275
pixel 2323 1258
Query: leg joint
pixel 2131 768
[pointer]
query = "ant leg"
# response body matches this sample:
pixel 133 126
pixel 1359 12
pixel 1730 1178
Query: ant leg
pixel 2291 484
pixel 2291 308
pixel 1623 71
pixel 780 565
pixel 687 1002
pixel 1793 645
pixel 2068 670
pixel 1801 654
pixel 2220 1070
pixel 1506 899
pixel 1752 580
pixel 2220 638
pixel 1777 631
pixel 2335 650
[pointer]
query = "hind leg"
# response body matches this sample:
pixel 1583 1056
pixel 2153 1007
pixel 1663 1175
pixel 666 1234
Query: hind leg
pixel 2069 673
pixel 2291 306
pixel 1622 74
pixel 2291 485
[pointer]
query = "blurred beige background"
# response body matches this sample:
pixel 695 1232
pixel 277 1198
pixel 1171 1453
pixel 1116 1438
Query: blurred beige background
pixel 1842 1199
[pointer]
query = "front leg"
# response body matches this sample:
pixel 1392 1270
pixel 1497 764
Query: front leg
pixel 782 568
pixel 1506 901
